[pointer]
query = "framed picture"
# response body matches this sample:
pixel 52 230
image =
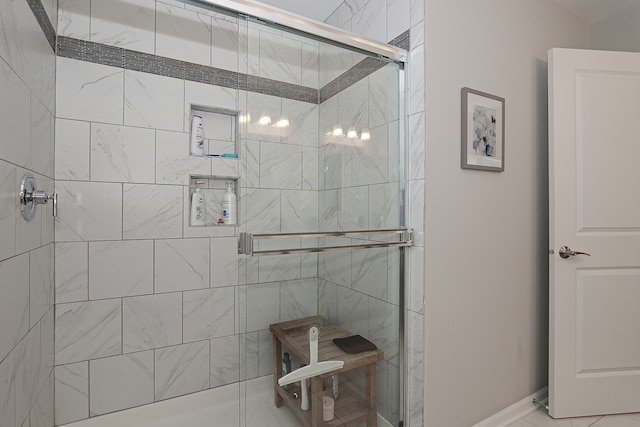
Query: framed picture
pixel 482 131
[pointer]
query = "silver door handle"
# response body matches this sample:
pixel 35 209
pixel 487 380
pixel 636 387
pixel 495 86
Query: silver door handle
pixel 566 252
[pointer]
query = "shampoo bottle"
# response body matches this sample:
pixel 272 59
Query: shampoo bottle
pixel 197 206
pixel 197 136
pixel 229 207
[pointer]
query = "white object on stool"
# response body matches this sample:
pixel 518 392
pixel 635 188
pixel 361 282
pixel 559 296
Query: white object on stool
pixel 327 408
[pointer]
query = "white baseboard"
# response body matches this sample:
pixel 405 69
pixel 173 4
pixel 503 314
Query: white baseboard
pixel 514 412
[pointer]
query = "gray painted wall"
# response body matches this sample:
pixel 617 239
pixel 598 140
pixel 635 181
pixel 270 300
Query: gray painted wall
pixel 486 294
pixel 620 32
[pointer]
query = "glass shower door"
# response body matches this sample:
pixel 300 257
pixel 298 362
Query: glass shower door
pixel 320 154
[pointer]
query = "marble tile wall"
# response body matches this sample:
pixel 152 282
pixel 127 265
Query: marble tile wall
pixel 27 111
pixel 383 20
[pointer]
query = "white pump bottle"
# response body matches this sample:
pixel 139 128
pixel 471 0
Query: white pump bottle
pixel 229 206
pixel 197 207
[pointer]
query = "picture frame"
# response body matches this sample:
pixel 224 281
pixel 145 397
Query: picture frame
pixel 483 124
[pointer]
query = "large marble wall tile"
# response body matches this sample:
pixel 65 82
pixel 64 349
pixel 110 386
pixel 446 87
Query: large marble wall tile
pixel 416 280
pixel 224 44
pixel 353 311
pixel 42 412
pixel 72 392
pixel 265 353
pixel 416 80
pixel 337 265
pixel 15 113
pixel 225 361
pixel 310 163
pixel 415 402
pixel 353 208
pixel 183 34
pixel 353 107
pixel 173 162
pixel 335 165
pixel 88 211
pixel 299 211
pixel 88 91
pixel 41 138
pixel 181 370
pixel 333 62
pixel 327 118
pixel 250 174
pixel 131 24
pixel 72 272
pixel 369 158
pixel 260 107
pixel 23 42
pixel 371 21
pixel 249 356
pixel 415 345
pixel 120 269
pixel 303 123
pixel 369 272
pixel 224 261
pixel 383 94
pixel 27 362
pixel 208 314
pixel 152 211
pixel 151 321
pixel 417 35
pixel 393 276
pixel 122 154
pixel 279 267
pixel 88 330
pixel 153 101
pixel 120 382
pixel 394 142
pixel 416 210
pixel 14 302
pixel 74 19
pixel 47 346
pixel 398 17
pixel 309 262
pixel 417 146
pixel 7 391
pixel 263 210
pixel 417 11
pixel 384 328
pixel 263 306
pixel 328 210
pixel 72 147
pixel 181 264
pixel 48 77
pixel 8 203
pixel 280 166
pixel 40 282
pixel 384 206
pixel 328 300
pixel 310 75
pixel 298 298
pixel 280 58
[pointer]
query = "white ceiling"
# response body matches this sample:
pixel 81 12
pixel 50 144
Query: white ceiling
pixel 314 9
pixel 592 11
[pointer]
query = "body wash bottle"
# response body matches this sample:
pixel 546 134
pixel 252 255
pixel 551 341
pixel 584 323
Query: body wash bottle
pixel 197 206
pixel 229 206
pixel 197 136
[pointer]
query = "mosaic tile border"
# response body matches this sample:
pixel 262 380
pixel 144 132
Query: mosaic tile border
pixel 45 23
pixel 113 56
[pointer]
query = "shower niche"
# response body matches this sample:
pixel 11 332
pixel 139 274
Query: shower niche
pixel 213 189
pixel 219 129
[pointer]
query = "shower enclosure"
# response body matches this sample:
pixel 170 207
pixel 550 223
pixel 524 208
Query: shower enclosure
pixel 306 124
pixel 322 216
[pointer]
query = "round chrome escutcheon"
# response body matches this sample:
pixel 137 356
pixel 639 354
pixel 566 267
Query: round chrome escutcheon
pixel 27 189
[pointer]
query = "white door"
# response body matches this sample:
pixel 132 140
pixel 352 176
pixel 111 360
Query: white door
pixel 594 174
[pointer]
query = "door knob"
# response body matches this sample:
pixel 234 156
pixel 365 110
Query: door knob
pixel 566 252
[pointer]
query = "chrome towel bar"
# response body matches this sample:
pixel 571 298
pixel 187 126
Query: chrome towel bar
pixel 246 241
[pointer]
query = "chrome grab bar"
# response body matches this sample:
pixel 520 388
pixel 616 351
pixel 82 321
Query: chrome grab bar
pixel 246 241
